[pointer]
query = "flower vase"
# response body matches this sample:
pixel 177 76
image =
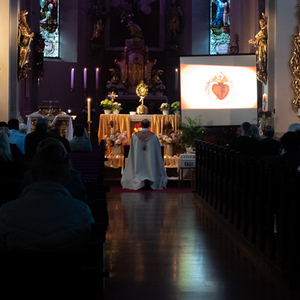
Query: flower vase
pixel 107 111
pixel 116 150
pixel 115 112
pixel 165 112
pixel 169 150
pixel 177 112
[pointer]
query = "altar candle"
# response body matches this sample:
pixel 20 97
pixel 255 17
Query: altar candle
pixel 265 107
pixel 89 108
pixel 84 78
pixel 72 79
pixel 97 78
pixel 176 79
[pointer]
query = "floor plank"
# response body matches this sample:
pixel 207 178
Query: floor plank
pixel 162 246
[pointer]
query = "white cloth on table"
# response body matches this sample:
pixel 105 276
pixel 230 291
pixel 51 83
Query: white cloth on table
pixel 144 162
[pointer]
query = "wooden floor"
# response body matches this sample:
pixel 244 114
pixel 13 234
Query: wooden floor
pixel 164 246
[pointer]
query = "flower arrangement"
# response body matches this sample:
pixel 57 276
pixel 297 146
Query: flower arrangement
pixel 175 106
pixel 165 106
pixel 142 89
pixel 107 104
pixel 116 106
pixel 172 137
pixel 116 139
pixel 266 114
pixel 111 123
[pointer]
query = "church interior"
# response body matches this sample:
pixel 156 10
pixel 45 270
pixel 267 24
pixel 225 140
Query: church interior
pixel 226 226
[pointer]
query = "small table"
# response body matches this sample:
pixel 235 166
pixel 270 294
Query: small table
pixel 186 161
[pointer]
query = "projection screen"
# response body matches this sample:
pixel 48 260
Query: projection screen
pixel 222 89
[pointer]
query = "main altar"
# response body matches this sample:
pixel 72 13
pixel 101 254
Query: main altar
pixel 127 122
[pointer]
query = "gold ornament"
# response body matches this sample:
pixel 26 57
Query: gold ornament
pixel 142 92
pixel 295 61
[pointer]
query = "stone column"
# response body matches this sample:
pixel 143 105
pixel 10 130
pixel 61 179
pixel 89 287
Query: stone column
pixel 9 100
pixel 282 25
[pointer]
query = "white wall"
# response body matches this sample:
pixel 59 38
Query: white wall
pixel 283 24
pixel 4 59
pixel 9 99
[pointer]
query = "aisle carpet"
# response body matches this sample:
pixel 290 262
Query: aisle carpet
pixel 113 180
pixel 168 190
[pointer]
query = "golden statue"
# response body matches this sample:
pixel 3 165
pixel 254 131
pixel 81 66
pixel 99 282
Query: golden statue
pixel 295 64
pixel 24 39
pixel 261 53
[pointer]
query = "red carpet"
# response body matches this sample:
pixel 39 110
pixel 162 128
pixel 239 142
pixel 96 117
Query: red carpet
pixel 168 190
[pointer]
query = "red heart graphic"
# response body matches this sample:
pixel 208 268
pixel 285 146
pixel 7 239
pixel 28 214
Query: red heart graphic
pixel 221 90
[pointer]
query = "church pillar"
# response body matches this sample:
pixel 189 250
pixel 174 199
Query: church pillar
pixel 244 17
pixel 282 25
pixel 9 100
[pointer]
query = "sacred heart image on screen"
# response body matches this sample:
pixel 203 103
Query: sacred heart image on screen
pixel 220 88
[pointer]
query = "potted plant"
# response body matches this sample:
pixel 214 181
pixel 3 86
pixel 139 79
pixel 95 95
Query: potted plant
pixel 107 106
pixel 116 107
pixel 175 106
pixel 165 107
pixel 191 130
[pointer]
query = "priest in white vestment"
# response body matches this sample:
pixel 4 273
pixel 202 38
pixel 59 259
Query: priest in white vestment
pixel 144 161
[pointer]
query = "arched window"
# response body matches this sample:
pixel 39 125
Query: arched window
pixel 49 26
pixel 219 26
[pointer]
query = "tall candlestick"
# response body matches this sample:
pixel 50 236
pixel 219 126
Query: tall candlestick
pixel 97 78
pixel 176 79
pixel 89 109
pixel 72 79
pixel 84 78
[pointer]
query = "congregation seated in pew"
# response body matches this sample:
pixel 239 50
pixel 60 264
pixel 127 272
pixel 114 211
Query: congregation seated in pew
pixel 269 145
pixel 245 144
pixel 80 142
pixel 46 217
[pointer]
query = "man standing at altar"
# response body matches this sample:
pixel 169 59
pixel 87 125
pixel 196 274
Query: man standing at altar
pixel 145 165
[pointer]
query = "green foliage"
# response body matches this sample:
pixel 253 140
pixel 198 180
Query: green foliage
pixel 192 130
pixel 175 106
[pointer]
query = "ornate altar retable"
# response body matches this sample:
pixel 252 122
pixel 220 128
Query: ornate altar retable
pixel 56 118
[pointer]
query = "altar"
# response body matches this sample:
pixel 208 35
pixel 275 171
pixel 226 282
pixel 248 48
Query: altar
pixel 126 122
pixel 56 117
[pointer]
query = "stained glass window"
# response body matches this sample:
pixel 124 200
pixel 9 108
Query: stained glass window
pixel 49 26
pixel 219 26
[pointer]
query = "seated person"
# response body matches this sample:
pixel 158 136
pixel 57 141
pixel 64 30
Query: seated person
pixel 15 136
pixel 245 144
pixel 54 132
pixel 32 139
pixel 11 169
pixel 290 155
pixel 46 217
pixel 145 162
pixel 80 142
pixel 269 145
pixel 73 184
